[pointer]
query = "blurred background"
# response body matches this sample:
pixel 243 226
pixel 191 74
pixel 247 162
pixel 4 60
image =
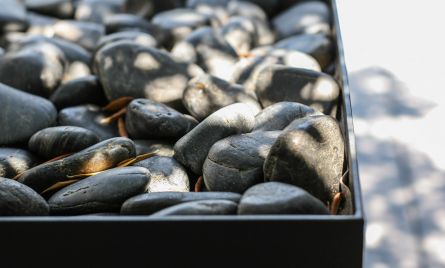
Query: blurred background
pixel 395 54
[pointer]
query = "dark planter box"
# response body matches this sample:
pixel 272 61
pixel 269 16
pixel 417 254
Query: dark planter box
pixel 206 241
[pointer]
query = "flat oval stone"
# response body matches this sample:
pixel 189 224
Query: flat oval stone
pixel 36 69
pixel 319 46
pixel 104 192
pixel 279 198
pixel 14 161
pixel 55 141
pixel 278 83
pixel 162 147
pixel 309 154
pixel 84 90
pixel 149 203
pixel 212 3
pixel 205 94
pixel 143 39
pixel 246 9
pixel 236 163
pixel 89 117
pixel 129 22
pixel 192 149
pixel 201 207
pixel 281 114
pixel 19 109
pixel 17 199
pixel 240 33
pixel 40 24
pixel 147 119
pixel 155 75
pixel 57 8
pixel 13 16
pixel 167 175
pixel 99 157
pixel 85 34
pixel 97 10
pixel 207 48
pixel 308 17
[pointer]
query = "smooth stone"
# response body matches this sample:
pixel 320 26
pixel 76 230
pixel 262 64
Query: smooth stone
pixel 84 90
pixel 192 149
pixel 23 114
pixel 56 141
pixel 167 175
pixel 207 48
pixel 205 94
pixel 180 22
pixel 279 83
pixel 14 161
pixel 140 38
pixel 155 75
pixel 212 3
pixel 147 119
pixel 269 6
pixel 86 34
pixel 279 198
pixel 303 18
pixel 150 8
pixel 99 157
pixel 128 22
pixel 97 10
pixel 104 192
pixel 201 207
pixel 13 16
pixel 17 199
pixel 58 8
pixel 319 46
pixel 40 24
pixel 288 57
pixel 149 203
pixel 309 154
pixel 240 33
pixel 235 163
pixel 161 147
pixel 89 117
pixel 280 115
pixel 36 69
pixel 247 10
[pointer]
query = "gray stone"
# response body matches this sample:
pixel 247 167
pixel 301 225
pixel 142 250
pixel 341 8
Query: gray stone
pixel 279 83
pixel 303 18
pixel 236 163
pixel 309 154
pixel 143 39
pixel 36 69
pixel 99 157
pixel 147 119
pixel 89 117
pixel 12 16
pixel 84 90
pixel 104 192
pixel 14 161
pixel 167 175
pixel 202 207
pixel 17 199
pixel 128 22
pixel 155 75
pixel 97 10
pixel 280 115
pixel 149 203
pixel 162 147
pixel 205 94
pixel 150 8
pixel 40 24
pixel 85 34
pixel 57 8
pixel 56 141
pixel 279 198
pixel 247 10
pixel 192 149
pixel 207 48
pixel 240 33
pixel 211 3
pixel 23 114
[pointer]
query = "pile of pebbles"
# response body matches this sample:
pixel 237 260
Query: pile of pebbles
pixel 160 108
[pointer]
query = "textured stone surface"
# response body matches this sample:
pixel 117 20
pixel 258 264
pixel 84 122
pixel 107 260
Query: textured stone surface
pixel 99 157
pixel 149 203
pixel 279 198
pixel 55 141
pixel 280 83
pixel 309 154
pixel 236 163
pixel 104 192
pixel 17 199
pixel 167 175
pixel 192 149
pixel 202 207
pixel 22 114
pixel 14 161
pixel 205 94
pixel 148 119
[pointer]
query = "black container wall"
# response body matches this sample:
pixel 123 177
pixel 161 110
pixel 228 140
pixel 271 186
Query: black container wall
pixel 207 241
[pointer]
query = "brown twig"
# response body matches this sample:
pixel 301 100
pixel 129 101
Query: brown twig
pixel 198 184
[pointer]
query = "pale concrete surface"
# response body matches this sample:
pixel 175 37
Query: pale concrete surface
pixel 395 54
